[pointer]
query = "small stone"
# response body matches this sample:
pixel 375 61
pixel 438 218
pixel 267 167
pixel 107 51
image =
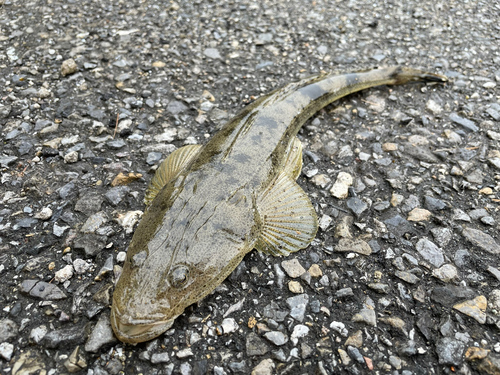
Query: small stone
pixel 229 325
pixel 357 206
pixel 466 124
pixel 474 308
pixel 324 222
pixel 486 191
pixel 80 266
pixel 255 345
pixel 128 220
pixel 124 179
pixel 94 222
pixel 58 231
pixel 390 147
pixel 293 268
pixel 419 214
pixel 265 367
pixel 407 276
pixel 102 335
pixel 494 300
pixel 8 330
pixel 445 273
pixel 321 180
pixel 299 331
pixel 64 274
pixel 430 252
pixel 6 351
pixel 37 334
pixel 367 316
pixel 341 186
pixel 420 152
pixel 315 271
pixel 91 244
pixel 344 358
pixel 434 204
pixel 344 292
pixel 482 240
pixel 455 171
pixel 44 214
pixel 160 358
pixel 450 351
pixel 450 294
pixel 494 271
pixel 64 337
pixel 68 67
pixel 71 157
pixel 433 107
pixel 212 53
pixel 473 353
pixel 379 287
pixel 76 361
pixel 355 339
pixel 394 322
pixel 459 215
pixel 42 290
pixel 184 353
pixel 353 245
pixel 116 194
pixel 442 236
pixel 396 199
pixel 276 337
pixel 297 306
pixel 295 287
pixel 355 354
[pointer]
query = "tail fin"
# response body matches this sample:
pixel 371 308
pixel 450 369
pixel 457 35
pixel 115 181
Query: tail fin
pixel 403 75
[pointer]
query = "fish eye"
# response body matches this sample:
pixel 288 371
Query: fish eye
pixel 178 277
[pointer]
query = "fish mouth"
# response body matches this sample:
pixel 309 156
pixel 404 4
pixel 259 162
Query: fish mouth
pixel 133 331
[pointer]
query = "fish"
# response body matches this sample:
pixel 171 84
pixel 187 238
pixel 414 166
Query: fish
pixel 208 206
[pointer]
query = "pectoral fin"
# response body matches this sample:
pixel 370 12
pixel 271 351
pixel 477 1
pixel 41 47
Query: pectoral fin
pixel 289 222
pixel 170 168
pixel 293 163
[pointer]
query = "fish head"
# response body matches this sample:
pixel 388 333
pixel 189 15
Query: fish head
pixel 187 255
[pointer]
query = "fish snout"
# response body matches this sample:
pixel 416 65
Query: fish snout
pixel 133 331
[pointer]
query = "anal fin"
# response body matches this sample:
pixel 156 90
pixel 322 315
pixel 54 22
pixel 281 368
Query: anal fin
pixel 289 222
pixel 170 168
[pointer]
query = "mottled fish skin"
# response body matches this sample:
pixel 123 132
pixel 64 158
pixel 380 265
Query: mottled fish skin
pixel 204 221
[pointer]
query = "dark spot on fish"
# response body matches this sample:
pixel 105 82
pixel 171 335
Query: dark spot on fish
pixel 351 78
pixel 313 91
pixel 242 158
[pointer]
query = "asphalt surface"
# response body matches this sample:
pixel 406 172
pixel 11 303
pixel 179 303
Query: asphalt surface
pixel 403 276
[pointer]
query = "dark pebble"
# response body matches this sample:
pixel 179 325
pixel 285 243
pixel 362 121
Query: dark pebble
pixel 357 206
pixel 255 345
pixel 64 337
pixel 466 124
pixel 355 354
pixel 90 243
pixel 450 294
pixel 42 290
pixel 450 351
pixel 116 194
pixel 238 367
pixel 433 204
pixel 67 190
pixel 114 366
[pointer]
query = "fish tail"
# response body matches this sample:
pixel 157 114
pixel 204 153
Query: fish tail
pixel 402 75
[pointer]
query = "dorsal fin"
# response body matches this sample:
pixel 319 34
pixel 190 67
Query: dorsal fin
pixel 170 168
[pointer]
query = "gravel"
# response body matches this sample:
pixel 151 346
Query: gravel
pixel 403 276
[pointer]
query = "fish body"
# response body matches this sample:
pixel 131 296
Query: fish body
pixel 208 206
